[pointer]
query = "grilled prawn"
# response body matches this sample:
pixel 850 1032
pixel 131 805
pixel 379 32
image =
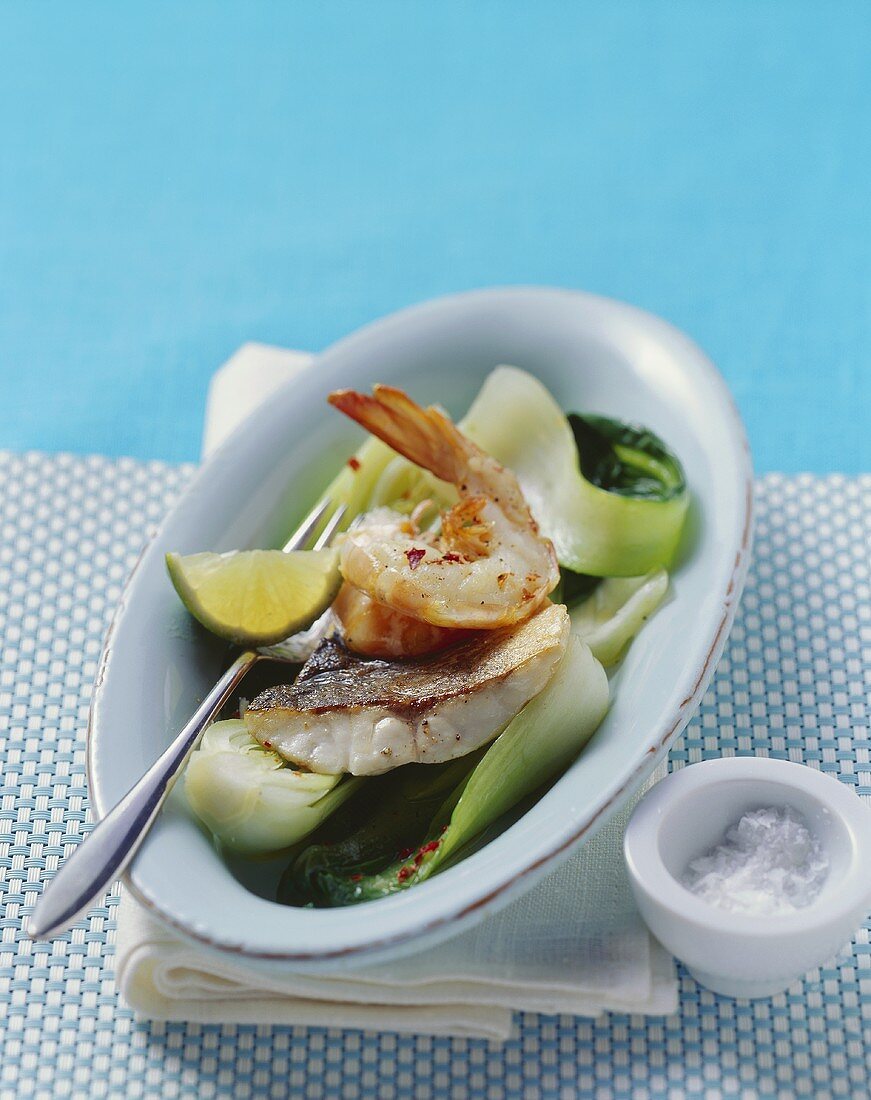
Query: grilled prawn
pixel 487 567
pixel 375 630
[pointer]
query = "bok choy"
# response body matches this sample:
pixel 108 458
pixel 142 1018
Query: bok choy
pixel 618 608
pixel 611 497
pixel 354 484
pixel 250 798
pixel 393 847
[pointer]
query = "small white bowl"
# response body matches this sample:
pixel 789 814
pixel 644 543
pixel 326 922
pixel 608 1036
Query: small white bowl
pixel 739 954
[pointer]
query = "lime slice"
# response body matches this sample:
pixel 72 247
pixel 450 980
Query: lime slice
pixel 256 597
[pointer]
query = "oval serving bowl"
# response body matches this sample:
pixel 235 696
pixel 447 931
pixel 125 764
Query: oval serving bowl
pixel 595 355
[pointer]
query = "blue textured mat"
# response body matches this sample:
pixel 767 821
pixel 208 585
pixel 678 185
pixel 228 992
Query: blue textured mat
pixel 794 683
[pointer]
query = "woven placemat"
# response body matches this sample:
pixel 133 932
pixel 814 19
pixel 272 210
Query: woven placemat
pixel 794 683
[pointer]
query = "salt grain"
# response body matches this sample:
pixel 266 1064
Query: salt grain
pixel 769 863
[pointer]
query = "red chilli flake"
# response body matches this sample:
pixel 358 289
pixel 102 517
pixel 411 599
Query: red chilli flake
pixel 425 850
pixel 415 557
pixel 357 878
pixel 405 874
pixel 451 557
pixel 354 463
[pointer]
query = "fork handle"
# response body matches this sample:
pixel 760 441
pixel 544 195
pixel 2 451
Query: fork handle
pixel 106 852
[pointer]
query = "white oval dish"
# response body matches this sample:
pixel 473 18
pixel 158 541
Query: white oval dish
pixel 733 953
pixel 595 355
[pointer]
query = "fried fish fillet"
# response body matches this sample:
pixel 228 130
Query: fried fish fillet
pixel 346 713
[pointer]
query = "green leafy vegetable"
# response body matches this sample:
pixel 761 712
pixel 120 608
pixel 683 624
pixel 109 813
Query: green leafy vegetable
pixel 620 528
pixel 353 485
pixel 250 798
pixel 625 459
pixel 355 856
pixel 610 618
pixel 574 587
pixel 403 485
pixel 535 747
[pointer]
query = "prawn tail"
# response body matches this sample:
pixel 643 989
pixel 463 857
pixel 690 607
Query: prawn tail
pixel 424 436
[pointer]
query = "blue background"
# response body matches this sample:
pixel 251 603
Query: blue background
pixel 177 180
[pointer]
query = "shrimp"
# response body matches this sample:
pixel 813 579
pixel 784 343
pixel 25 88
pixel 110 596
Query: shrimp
pixel 375 630
pixel 372 628
pixel 488 566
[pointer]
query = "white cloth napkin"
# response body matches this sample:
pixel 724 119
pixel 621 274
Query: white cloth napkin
pixel 575 944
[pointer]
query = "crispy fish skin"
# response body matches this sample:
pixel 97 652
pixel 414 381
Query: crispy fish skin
pixel 346 713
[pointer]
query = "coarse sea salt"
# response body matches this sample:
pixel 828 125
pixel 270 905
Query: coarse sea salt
pixel 769 862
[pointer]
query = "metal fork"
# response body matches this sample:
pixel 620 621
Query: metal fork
pixel 106 853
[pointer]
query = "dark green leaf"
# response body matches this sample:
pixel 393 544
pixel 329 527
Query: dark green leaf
pixel 626 459
pixel 574 587
pixel 358 854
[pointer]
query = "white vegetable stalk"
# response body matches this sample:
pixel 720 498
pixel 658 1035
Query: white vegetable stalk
pixel 250 798
pixel 616 611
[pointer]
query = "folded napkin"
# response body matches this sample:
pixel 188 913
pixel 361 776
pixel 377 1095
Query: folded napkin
pixel 575 944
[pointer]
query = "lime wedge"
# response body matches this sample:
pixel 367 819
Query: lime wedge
pixel 256 597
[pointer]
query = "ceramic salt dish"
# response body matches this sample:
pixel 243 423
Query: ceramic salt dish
pixel 742 953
